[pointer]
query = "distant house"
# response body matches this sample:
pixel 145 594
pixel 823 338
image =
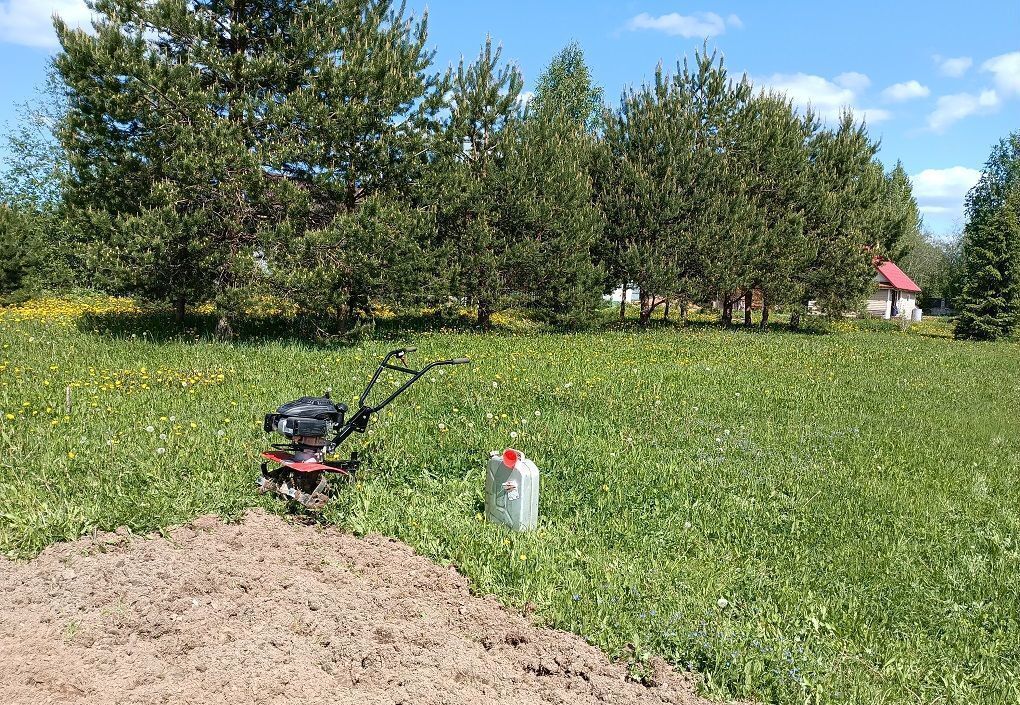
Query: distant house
pixel 895 294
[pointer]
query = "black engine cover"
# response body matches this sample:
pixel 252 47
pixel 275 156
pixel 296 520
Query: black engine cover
pixel 312 417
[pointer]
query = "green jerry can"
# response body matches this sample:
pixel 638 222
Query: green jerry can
pixel 511 490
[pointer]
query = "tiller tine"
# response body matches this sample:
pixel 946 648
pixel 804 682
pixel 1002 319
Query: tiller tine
pixel 309 489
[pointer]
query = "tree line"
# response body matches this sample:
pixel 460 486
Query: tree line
pixel 221 150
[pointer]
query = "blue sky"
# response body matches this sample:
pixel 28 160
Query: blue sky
pixel 938 81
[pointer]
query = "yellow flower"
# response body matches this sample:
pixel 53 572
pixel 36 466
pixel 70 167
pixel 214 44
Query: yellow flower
pixel 524 557
pixel 71 454
pixel 10 417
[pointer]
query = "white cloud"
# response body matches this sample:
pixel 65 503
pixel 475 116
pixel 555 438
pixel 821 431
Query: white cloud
pixel 908 90
pixel 699 24
pixel 1006 71
pixel 941 192
pixel 30 22
pixel 827 98
pixel 953 108
pixel 853 80
pixel 953 67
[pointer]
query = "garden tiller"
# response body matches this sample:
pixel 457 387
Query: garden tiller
pixel 316 426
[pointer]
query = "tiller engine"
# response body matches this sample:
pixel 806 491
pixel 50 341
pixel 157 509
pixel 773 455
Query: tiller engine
pixel 316 426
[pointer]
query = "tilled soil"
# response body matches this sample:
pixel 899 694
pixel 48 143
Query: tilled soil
pixel 267 611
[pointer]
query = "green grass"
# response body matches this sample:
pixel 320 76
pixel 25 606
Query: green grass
pixel 800 518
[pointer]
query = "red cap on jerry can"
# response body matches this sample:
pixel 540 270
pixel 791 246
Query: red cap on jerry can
pixel 510 457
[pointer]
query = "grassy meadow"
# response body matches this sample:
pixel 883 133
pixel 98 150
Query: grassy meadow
pixel 798 517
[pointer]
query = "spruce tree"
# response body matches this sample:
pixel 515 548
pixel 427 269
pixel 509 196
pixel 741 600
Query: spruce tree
pixel 900 228
pixel 22 242
pixel 989 303
pixel 989 300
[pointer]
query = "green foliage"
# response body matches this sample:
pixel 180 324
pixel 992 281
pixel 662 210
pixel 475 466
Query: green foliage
pixel 545 208
pixel 374 253
pixel 565 88
pixel 989 301
pixel 935 266
pixel 863 553
pixel 484 101
pixel 21 253
pixel 197 131
pixel 843 211
pixel 901 221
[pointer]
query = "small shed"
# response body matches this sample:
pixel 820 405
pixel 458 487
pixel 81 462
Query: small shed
pixel 895 294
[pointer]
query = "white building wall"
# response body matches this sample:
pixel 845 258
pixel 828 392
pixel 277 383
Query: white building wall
pixel 878 303
pixel 633 295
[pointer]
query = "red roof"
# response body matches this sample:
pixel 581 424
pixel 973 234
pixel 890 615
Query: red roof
pixel 896 277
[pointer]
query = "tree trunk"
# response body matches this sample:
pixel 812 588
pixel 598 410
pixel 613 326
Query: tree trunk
pixel 795 320
pixel 683 311
pixel 748 302
pixel 179 310
pixel 646 309
pixel 484 314
pixel 665 311
pixel 764 313
pixel 623 303
pixel 224 331
pixel 727 310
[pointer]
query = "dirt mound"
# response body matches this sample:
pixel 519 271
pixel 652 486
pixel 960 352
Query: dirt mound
pixel 201 617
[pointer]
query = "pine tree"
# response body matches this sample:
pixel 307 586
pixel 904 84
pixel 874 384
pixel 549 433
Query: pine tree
pixel 644 167
pixel 775 167
pixel 726 221
pixel 843 211
pixel 483 102
pixel 546 213
pixel 669 185
pixel 201 133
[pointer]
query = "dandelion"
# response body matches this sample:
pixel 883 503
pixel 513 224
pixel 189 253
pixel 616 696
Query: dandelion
pixel 150 429
pixel 723 603
pixel 524 557
pixel 488 416
pixel 538 413
pixel 220 433
pixel 160 451
pixel 71 455
pixel 513 434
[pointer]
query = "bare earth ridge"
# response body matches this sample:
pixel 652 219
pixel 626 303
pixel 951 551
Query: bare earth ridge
pixel 267 611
